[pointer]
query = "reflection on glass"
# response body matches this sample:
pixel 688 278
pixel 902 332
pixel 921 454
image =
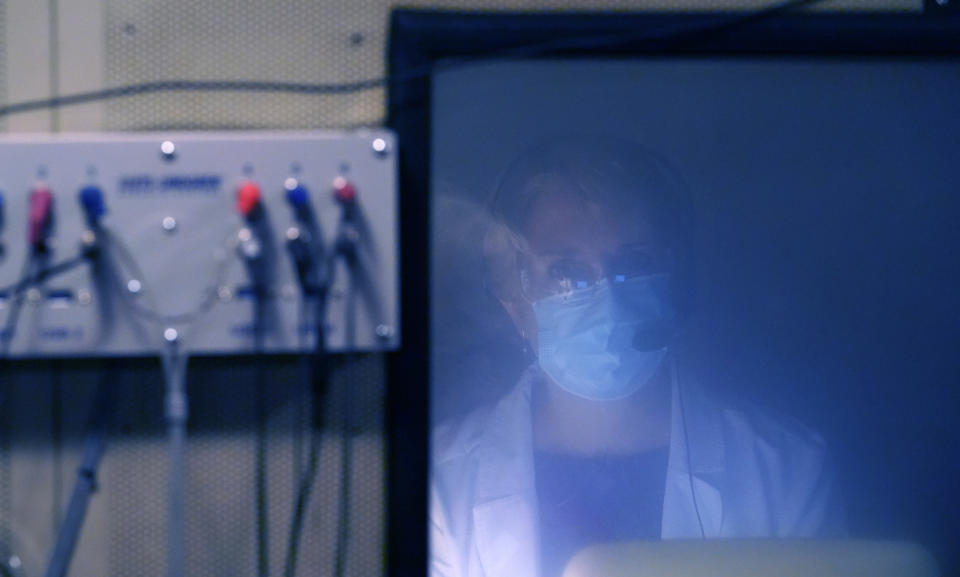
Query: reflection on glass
pixel 606 435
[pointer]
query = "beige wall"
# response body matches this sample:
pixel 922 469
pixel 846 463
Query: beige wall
pixel 116 42
pixel 126 528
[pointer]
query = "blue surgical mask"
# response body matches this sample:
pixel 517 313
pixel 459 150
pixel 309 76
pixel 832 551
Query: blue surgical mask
pixel 593 342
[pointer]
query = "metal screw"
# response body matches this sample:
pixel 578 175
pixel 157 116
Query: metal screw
pixel 248 245
pixel 225 294
pixel 169 224
pixel 379 146
pixel 168 150
pixel 251 250
pixel 384 331
pixel 34 296
pixel 84 297
pixel 170 335
pixel 134 286
pixel 88 239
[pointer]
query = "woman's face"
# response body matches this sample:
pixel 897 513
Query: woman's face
pixel 572 243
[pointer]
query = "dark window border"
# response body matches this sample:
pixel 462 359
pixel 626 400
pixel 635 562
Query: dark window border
pixel 422 40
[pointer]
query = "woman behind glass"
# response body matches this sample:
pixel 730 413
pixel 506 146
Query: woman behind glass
pixel 605 437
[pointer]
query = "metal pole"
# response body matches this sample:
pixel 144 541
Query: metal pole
pixel 176 411
pixel 85 486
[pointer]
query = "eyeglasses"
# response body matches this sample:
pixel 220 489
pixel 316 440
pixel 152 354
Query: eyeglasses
pixel 544 276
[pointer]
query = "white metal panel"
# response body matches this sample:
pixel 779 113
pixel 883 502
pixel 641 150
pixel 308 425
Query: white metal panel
pixel 179 270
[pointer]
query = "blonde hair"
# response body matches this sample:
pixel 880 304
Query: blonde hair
pixel 598 171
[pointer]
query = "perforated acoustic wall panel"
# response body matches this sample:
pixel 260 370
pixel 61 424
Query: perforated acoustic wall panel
pixel 47 405
pixel 286 41
pixel 3 59
pixel 334 41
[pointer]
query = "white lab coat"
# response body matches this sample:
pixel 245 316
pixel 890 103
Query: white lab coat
pixel 754 476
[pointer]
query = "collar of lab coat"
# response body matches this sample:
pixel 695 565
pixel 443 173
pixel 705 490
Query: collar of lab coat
pixel 505 514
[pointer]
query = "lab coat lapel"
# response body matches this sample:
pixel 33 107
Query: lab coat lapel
pixel 694 487
pixel 505 513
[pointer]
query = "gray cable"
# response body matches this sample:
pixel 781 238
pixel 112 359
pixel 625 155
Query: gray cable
pixel 176 412
pixel 675 376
